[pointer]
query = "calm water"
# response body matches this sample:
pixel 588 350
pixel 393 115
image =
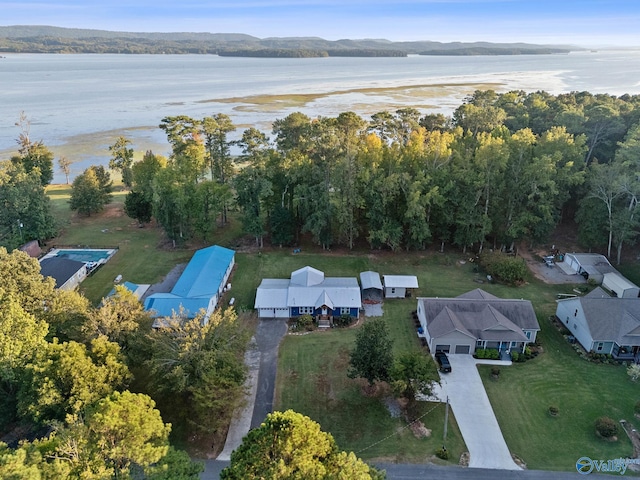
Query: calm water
pixel 72 100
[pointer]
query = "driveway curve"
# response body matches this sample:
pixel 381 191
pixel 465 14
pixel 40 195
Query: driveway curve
pixel 474 414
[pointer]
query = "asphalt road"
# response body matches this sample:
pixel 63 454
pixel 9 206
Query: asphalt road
pixel 268 337
pixel 437 472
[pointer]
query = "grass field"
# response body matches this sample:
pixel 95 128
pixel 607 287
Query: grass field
pixel 312 376
pixel 143 254
pixel 582 391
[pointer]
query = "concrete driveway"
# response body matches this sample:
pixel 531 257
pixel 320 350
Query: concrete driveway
pixel 475 417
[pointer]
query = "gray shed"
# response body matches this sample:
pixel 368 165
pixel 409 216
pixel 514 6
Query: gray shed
pixel 619 285
pixel 371 287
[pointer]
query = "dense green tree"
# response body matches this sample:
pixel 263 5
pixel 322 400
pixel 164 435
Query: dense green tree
pixel 216 130
pixel 175 465
pixel 289 445
pixel 21 334
pixel 65 378
pixel 21 279
pixel 91 191
pixel 372 354
pixel 201 363
pixel 26 213
pixel 122 159
pixel 136 206
pixel 118 317
pixel 412 375
pixel 144 173
pixel 126 429
pixel 606 184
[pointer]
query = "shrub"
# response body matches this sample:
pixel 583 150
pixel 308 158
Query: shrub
pixel 495 371
pixel 505 268
pixel 515 357
pixel 607 427
pixel 343 320
pixel 634 372
pixel 304 322
pixel 487 353
pixel 442 453
pixel 553 410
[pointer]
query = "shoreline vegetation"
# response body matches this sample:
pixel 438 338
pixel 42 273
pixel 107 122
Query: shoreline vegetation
pixel 46 39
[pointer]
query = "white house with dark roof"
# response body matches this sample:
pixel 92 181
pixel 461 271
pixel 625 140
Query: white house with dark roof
pixel 603 324
pixel 308 291
pixel 477 319
pixel 67 273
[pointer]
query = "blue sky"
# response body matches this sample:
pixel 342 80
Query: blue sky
pixel 580 22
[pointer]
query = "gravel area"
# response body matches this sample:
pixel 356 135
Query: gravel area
pixel 167 282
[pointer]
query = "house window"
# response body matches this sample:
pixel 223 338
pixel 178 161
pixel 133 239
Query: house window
pixel 599 346
pixel 305 310
pixel 528 334
pixel 393 290
pixel 479 343
pixel 345 311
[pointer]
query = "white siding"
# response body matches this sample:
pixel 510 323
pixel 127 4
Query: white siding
pixel 394 292
pixel 571 315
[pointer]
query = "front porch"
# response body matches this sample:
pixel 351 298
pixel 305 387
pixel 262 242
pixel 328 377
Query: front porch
pixel 626 353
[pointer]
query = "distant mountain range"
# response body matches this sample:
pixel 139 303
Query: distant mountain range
pixel 47 39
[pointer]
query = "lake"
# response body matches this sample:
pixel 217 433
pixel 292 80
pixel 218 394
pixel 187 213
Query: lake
pixel 79 104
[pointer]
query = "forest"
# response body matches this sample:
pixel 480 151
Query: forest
pixel 505 168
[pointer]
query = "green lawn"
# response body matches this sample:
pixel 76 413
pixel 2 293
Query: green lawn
pixel 143 256
pixel 312 376
pixel 583 391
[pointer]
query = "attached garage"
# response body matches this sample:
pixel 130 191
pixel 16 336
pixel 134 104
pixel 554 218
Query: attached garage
pixel 443 348
pixel 271 299
pixel 463 349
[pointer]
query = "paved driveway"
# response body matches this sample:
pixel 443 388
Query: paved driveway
pixel 262 360
pixel 475 417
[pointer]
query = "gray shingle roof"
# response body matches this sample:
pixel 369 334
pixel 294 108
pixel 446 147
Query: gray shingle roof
pixel 613 319
pixel 480 315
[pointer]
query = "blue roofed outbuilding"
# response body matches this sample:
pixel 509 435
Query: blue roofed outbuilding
pixel 200 286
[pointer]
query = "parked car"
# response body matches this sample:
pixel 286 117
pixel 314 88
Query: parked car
pixel 443 361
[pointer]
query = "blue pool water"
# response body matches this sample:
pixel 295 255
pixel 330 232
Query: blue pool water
pixel 85 255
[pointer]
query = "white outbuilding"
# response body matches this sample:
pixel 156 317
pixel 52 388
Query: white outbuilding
pixel 399 286
pixel 620 286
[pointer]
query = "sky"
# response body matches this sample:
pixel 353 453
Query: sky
pixel 575 22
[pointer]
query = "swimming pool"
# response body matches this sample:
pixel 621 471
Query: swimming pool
pixel 86 255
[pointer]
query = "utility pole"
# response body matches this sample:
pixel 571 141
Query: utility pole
pixel 446 421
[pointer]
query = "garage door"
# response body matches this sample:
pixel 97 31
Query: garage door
pixel 462 349
pixel 443 348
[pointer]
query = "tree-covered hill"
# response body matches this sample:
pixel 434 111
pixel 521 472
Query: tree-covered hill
pixel 47 39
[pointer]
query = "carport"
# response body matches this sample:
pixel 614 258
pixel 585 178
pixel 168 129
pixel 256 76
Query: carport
pixel 371 286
